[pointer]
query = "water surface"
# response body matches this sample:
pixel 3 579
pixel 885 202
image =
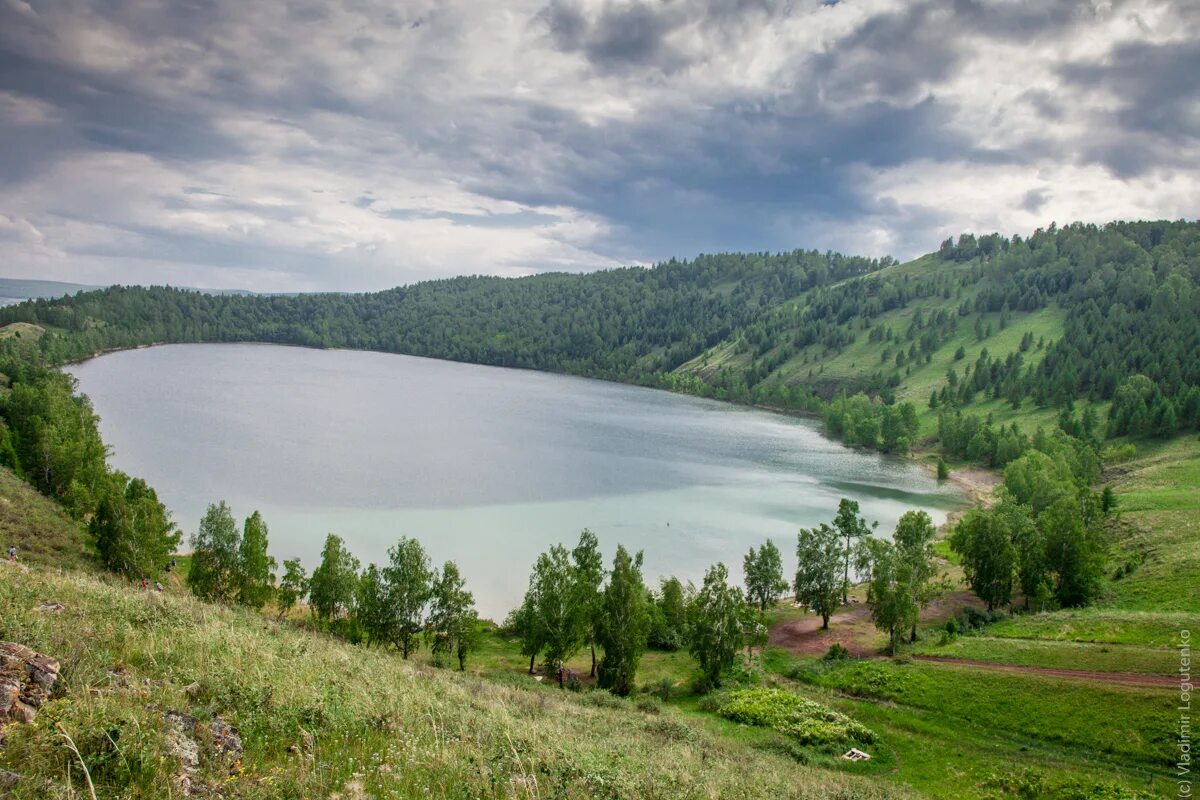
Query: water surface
pixel 486 466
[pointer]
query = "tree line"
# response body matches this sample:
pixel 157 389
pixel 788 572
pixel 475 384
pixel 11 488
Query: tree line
pixel 1046 537
pixel 402 604
pixel 50 436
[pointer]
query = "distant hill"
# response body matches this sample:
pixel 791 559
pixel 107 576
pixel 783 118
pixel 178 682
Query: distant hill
pixel 14 290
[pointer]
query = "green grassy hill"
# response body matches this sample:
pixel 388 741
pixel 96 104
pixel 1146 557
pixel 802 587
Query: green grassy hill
pixel 39 528
pixel 322 718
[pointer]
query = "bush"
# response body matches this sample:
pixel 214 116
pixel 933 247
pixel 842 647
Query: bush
pixel 873 679
pixel 972 619
pixel 1116 454
pixel 806 721
pixel 837 652
pixel 649 705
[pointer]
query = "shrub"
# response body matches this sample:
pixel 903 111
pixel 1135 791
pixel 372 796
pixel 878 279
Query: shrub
pixel 804 720
pixel 649 705
pixel 1116 454
pixel 972 619
pixel 837 652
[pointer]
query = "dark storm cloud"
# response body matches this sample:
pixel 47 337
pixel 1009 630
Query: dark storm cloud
pixel 1158 98
pixel 641 128
pixel 624 36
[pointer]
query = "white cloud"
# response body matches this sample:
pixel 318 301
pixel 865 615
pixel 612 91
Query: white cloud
pixel 361 145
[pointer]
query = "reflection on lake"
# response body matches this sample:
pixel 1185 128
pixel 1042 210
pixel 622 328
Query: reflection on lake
pixel 485 466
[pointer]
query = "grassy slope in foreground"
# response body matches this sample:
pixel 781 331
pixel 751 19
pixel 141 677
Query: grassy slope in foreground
pixel 39 528
pixel 380 727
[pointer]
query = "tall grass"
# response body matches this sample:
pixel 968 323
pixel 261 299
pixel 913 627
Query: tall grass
pixel 319 717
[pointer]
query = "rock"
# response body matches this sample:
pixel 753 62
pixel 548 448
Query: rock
pixel 8 780
pixel 180 743
pixel 182 747
pixel 226 740
pixel 26 680
pixel 181 730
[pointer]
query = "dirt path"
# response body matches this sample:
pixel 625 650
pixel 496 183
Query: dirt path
pixel 1129 678
pixel 852 628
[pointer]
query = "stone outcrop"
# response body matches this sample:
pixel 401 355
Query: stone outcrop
pixel 26 680
pixel 182 731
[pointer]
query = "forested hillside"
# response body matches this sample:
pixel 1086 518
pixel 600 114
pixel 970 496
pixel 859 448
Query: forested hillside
pixel 1066 314
pixel 617 324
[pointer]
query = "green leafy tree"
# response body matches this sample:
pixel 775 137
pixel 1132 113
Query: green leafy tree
pixel 763 569
pixel 215 570
pixel 819 578
pixel 1108 500
pixel 55 436
pixel 852 528
pixel 453 621
pixel 256 569
pixel 523 622
pixel 560 619
pixel 589 576
pixel 668 629
pixel 715 625
pixel 890 592
pixel 1075 547
pixel 372 607
pixel 913 538
pixel 1037 479
pixel 133 531
pixel 624 624
pixel 409 585
pixel 754 630
pixel 332 585
pixel 943 469
pixel 292 586
pixel 1030 546
pixel 989 558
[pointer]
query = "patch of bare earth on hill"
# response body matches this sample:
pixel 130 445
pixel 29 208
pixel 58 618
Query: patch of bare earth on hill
pixel 979 485
pixel 852 628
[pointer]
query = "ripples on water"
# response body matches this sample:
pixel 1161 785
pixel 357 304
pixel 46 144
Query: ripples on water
pixel 485 466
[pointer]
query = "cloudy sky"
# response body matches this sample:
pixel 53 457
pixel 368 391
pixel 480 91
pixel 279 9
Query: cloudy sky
pixel 305 145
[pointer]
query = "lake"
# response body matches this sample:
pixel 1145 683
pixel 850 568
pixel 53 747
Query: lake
pixel 485 466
